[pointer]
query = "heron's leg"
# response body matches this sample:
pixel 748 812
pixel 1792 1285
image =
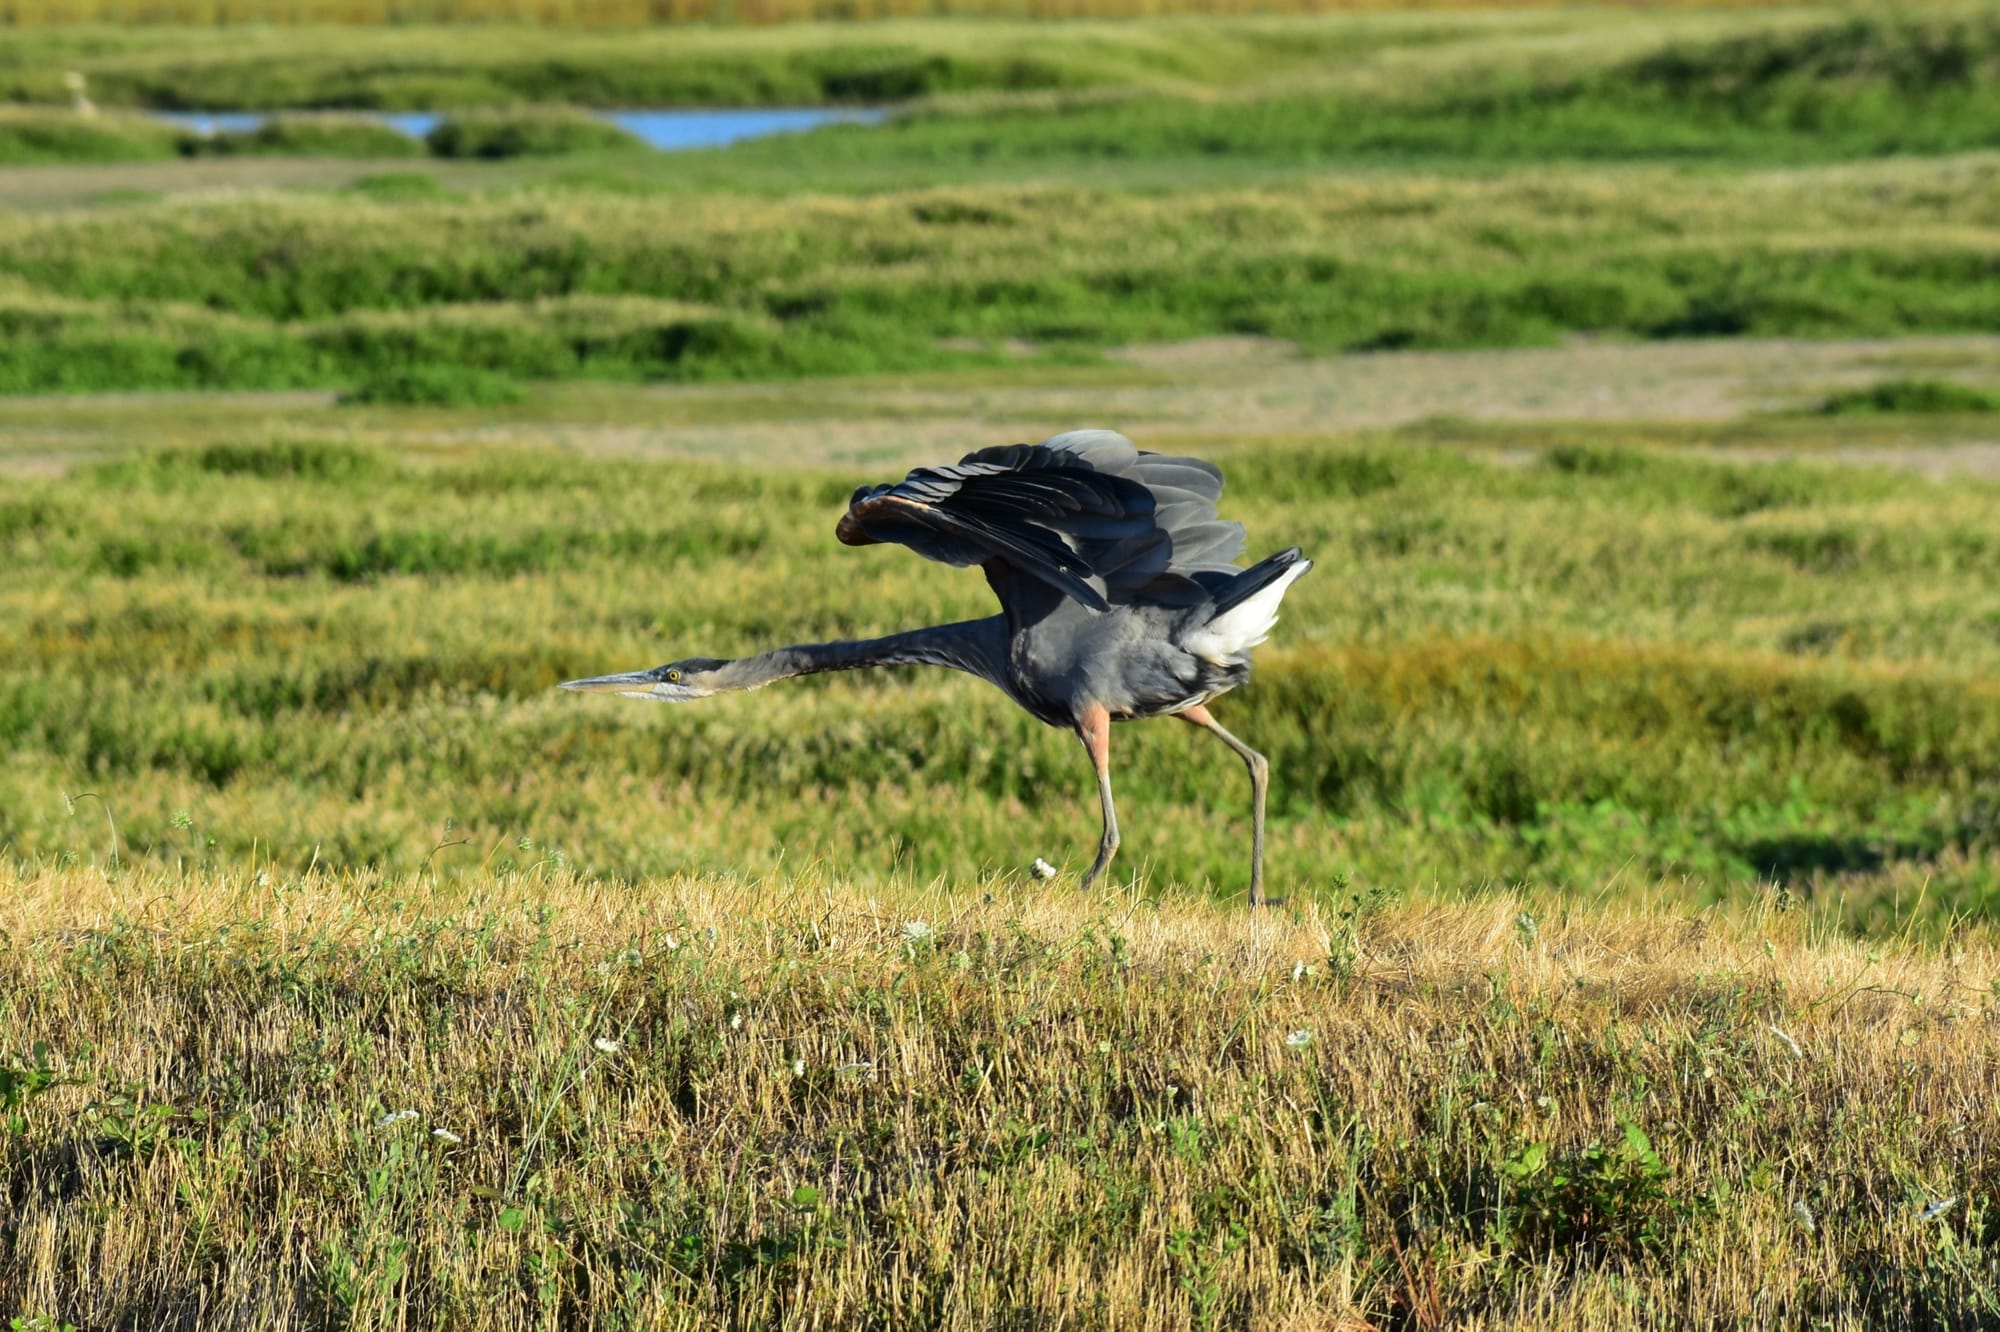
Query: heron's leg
pixel 1094 728
pixel 1260 779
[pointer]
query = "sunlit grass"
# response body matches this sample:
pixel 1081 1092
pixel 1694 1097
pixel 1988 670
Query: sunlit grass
pixel 250 1097
pixel 291 292
pixel 1636 805
pixel 1498 672
pixel 432 66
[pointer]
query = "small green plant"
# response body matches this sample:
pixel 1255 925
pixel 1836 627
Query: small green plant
pixel 1615 1198
pixel 38 1323
pixel 22 1083
pixel 130 1122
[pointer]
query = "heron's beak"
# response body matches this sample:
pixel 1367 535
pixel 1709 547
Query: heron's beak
pixel 632 684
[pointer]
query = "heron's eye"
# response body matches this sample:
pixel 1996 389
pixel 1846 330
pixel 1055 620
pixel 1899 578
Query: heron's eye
pixel 673 677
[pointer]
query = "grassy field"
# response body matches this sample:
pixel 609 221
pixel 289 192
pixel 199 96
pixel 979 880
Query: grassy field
pixel 423 68
pixel 1686 175
pixel 572 20
pixel 1507 667
pixel 1788 84
pixel 1631 379
pixel 530 1099
pixel 300 291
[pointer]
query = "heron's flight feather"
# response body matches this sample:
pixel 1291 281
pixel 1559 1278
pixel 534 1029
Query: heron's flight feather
pixel 1086 513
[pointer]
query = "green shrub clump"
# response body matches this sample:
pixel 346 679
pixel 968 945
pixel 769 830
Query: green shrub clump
pixel 34 135
pixel 306 136
pixel 1913 396
pixel 526 132
pixel 399 187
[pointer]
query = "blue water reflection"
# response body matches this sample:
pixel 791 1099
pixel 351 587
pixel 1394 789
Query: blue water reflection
pixel 666 130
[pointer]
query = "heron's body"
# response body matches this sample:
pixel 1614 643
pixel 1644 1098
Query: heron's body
pixel 1119 596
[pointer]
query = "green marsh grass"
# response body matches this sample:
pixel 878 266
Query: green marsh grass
pixel 1904 396
pixel 306 136
pixel 303 291
pixel 428 66
pixel 1763 87
pixel 441 386
pixel 1496 674
pixel 1847 87
pixel 526 132
pixel 36 136
pixel 571 17
pixel 1638 809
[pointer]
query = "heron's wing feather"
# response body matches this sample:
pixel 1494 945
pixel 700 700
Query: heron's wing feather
pixel 1085 513
pixel 949 535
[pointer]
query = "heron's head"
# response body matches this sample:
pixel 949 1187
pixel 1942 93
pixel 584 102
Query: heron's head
pixel 675 682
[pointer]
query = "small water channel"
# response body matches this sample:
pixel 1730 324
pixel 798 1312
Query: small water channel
pixel 665 130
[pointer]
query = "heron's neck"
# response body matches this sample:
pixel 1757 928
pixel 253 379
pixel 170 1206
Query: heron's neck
pixel 977 647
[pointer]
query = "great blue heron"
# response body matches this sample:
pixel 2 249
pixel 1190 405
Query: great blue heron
pixel 1119 598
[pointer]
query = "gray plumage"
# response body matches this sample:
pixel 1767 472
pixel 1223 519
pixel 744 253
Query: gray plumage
pixel 1119 593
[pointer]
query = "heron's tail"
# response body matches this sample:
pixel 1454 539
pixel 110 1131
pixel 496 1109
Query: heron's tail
pixel 1247 608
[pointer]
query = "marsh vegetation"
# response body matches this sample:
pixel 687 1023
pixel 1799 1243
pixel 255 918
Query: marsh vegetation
pixel 1630 378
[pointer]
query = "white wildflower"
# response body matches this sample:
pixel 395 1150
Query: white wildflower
pixel 915 930
pixel 1298 972
pixel 736 1022
pixel 395 1117
pixel 798 1068
pixel 1041 869
pixel 1805 1216
pixel 1786 1037
pixel 446 1135
pixel 1299 1038
pixel 673 944
pixel 607 1045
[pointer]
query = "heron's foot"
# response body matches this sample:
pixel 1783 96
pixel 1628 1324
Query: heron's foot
pixel 1105 851
pixel 1259 902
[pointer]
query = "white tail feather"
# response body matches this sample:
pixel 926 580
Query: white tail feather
pixel 1246 624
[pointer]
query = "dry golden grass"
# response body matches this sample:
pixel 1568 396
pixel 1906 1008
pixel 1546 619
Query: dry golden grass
pixel 809 1103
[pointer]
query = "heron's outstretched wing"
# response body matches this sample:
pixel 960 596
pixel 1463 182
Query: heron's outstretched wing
pixel 1086 513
